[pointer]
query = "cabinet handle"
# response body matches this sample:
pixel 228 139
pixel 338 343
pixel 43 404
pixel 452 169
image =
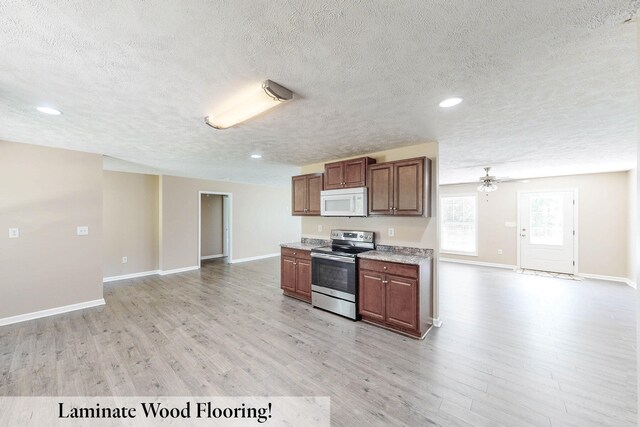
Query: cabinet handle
pixel 395 209
pixel 295 253
pixel 391 208
pixel 384 268
pixel 295 263
pixel 385 282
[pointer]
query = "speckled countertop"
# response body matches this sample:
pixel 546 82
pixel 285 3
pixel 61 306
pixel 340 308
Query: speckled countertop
pixel 400 254
pixel 306 244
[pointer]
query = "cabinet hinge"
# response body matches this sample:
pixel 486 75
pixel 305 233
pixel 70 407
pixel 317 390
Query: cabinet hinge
pixel 574 263
pixel 574 232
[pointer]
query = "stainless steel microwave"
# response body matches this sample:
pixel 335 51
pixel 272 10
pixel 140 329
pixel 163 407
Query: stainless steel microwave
pixel 344 202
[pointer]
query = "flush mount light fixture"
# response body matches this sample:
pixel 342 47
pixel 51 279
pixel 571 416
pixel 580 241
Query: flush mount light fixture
pixel 450 102
pixel 256 156
pixel 254 101
pixel 51 111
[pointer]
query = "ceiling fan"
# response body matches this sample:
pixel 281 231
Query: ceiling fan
pixel 490 183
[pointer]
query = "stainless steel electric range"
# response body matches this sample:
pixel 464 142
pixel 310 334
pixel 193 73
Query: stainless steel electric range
pixel 334 272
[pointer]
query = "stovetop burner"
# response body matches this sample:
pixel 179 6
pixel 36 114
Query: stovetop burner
pixel 348 243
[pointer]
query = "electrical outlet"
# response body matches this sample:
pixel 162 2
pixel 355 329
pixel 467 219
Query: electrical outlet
pixel 391 232
pixel 125 260
pixel 83 230
pixel 319 227
pixel 14 233
pixel 499 251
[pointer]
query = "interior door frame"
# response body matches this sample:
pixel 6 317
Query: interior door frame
pixel 576 224
pixel 228 207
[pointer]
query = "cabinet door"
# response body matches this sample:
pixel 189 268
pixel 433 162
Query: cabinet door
pixel 299 195
pixel 355 173
pixel 380 183
pixel 408 187
pixel 303 277
pixel 371 295
pixel 333 175
pixel 314 188
pixel 402 302
pixel 288 273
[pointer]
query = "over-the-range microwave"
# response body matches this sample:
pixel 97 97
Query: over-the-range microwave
pixel 344 202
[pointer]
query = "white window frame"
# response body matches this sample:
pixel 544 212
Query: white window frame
pixel 475 225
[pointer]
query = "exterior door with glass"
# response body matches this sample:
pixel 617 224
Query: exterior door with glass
pixel 547 230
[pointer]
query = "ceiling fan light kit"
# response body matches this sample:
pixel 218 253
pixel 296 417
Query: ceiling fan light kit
pixel 256 101
pixel 488 183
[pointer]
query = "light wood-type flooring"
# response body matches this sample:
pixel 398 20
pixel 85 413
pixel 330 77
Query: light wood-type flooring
pixel 514 350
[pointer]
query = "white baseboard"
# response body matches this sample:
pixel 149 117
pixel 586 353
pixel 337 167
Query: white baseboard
pixel 50 312
pixel 179 270
pixel 609 278
pixel 482 264
pixel 202 258
pixel 255 258
pixel 130 276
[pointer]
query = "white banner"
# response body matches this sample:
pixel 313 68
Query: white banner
pixel 164 411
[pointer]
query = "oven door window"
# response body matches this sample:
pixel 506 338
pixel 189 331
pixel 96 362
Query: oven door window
pixel 336 275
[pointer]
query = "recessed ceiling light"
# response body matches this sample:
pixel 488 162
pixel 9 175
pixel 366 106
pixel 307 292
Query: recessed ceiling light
pixel 47 110
pixel 256 156
pixel 450 102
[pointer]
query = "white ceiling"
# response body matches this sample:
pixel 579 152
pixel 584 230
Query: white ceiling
pixel 549 86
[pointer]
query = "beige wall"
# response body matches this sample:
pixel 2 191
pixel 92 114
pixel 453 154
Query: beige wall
pixel 633 256
pixel 602 216
pixel 130 206
pixel 414 232
pixel 261 219
pixel 47 193
pixel 211 242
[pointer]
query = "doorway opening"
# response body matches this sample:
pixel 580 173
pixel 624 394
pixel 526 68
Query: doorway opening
pixel 548 231
pixel 214 226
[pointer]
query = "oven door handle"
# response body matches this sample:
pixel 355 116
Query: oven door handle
pixel 333 258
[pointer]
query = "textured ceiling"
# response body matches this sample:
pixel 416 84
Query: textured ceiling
pixel 549 86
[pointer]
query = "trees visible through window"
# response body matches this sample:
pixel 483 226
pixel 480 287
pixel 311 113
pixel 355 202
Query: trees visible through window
pixel 459 224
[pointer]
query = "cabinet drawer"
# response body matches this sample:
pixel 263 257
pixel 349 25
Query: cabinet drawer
pixel 405 270
pixel 297 253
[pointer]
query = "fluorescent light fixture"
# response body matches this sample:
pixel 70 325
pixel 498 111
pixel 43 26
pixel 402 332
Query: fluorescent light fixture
pixel 256 156
pixel 254 101
pixel 47 110
pixel 450 102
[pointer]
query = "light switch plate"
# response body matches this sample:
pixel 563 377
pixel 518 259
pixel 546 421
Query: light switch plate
pixel 14 233
pixel 499 251
pixel 319 227
pixel 83 230
pixel 125 260
pixel 391 232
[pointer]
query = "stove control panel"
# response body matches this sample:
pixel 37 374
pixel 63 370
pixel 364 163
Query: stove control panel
pixel 354 236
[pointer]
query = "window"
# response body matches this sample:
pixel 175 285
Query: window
pixel 546 219
pixel 459 224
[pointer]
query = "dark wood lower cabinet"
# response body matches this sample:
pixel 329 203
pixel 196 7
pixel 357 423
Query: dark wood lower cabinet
pixel 295 273
pixel 372 295
pixel 396 296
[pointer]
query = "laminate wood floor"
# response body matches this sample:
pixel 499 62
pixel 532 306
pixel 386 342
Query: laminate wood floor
pixel 514 350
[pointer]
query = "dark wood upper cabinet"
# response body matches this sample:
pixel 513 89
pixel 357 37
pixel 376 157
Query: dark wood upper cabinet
pixel 381 189
pixel 400 188
pixel 347 173
pixel 305 194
